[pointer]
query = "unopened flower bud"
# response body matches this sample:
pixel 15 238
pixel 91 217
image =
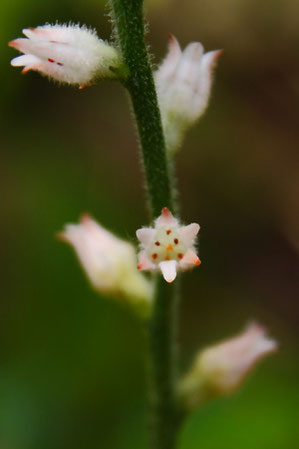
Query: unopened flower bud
pixel 109 262
pixel 183 82
pixel 67 53
pixel 219 370
pixel 168 246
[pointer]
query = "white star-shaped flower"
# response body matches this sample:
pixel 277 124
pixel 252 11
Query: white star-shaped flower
pixel 168 246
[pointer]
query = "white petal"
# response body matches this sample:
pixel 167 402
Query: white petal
pixel 190 258
pixel 144 263
pixel 190 62
pixel 169 64
pixel 25 60
pixel 189 232
pixel 145 235
pixel 32 33
pixel 166 218
pixel 208 63
pixel 209 59
pixel 23 45
pixel 169 270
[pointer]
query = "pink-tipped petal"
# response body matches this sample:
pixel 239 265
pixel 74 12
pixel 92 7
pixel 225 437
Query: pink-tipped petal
pixel 31 33
pixel 55 33
pixel 169 64
pixel 208 63
pixel 144 263
pixel 174 49
pixel 209 59
pixel 189 232
pixel 12 43
pixel 145 235
pixel 20 44
pixel 166 218
pixel 24 45
pixel 190 258
pixel 36 34
pixel 169 270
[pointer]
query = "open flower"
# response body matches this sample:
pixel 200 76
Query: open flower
pixel 108 261
pixel 67 53
pixel 168 246
pixel 183 82
pixel 220 369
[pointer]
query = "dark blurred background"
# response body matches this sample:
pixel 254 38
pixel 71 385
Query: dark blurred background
pixel 71 362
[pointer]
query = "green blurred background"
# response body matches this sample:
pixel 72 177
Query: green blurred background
pixel 71 362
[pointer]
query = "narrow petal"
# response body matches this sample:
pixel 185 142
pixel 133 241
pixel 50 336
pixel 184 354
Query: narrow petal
pixel 190 62
pixel 169 64
pixel 169 270
pixel 190 258
pixel 189 232
pixel 25 60
pixel 32 33
pixel 208 63
pixel 144 263
pixel 145 235
pixel 166 218
pixel 21 44
pixel 37 34
pixel 55 33
pixel 209 59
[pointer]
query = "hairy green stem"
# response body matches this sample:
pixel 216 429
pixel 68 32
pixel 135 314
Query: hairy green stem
pixel 163 367
pixel 128 17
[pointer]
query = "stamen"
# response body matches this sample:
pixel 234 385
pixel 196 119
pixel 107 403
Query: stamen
pixel 168 231
pixel 176 241
pixel 154 256
pixel 51 60
pixel 157 243
pixel 180 255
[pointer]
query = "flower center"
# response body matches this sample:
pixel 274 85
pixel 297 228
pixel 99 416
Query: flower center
pixel 167 245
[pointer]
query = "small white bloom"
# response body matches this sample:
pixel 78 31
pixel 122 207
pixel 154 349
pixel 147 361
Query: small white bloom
pixel 108 261
pixel 168 246
pixel 220 369
pixel 68 53
pixel 183 82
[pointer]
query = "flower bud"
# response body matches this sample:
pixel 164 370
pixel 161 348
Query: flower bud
pixel 168 246
pixel 67 53
pixel 219 370
pixel 109 262
pixel 183 82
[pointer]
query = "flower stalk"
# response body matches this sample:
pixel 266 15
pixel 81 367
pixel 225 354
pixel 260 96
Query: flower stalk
pixel 129 29
pixel 128 17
